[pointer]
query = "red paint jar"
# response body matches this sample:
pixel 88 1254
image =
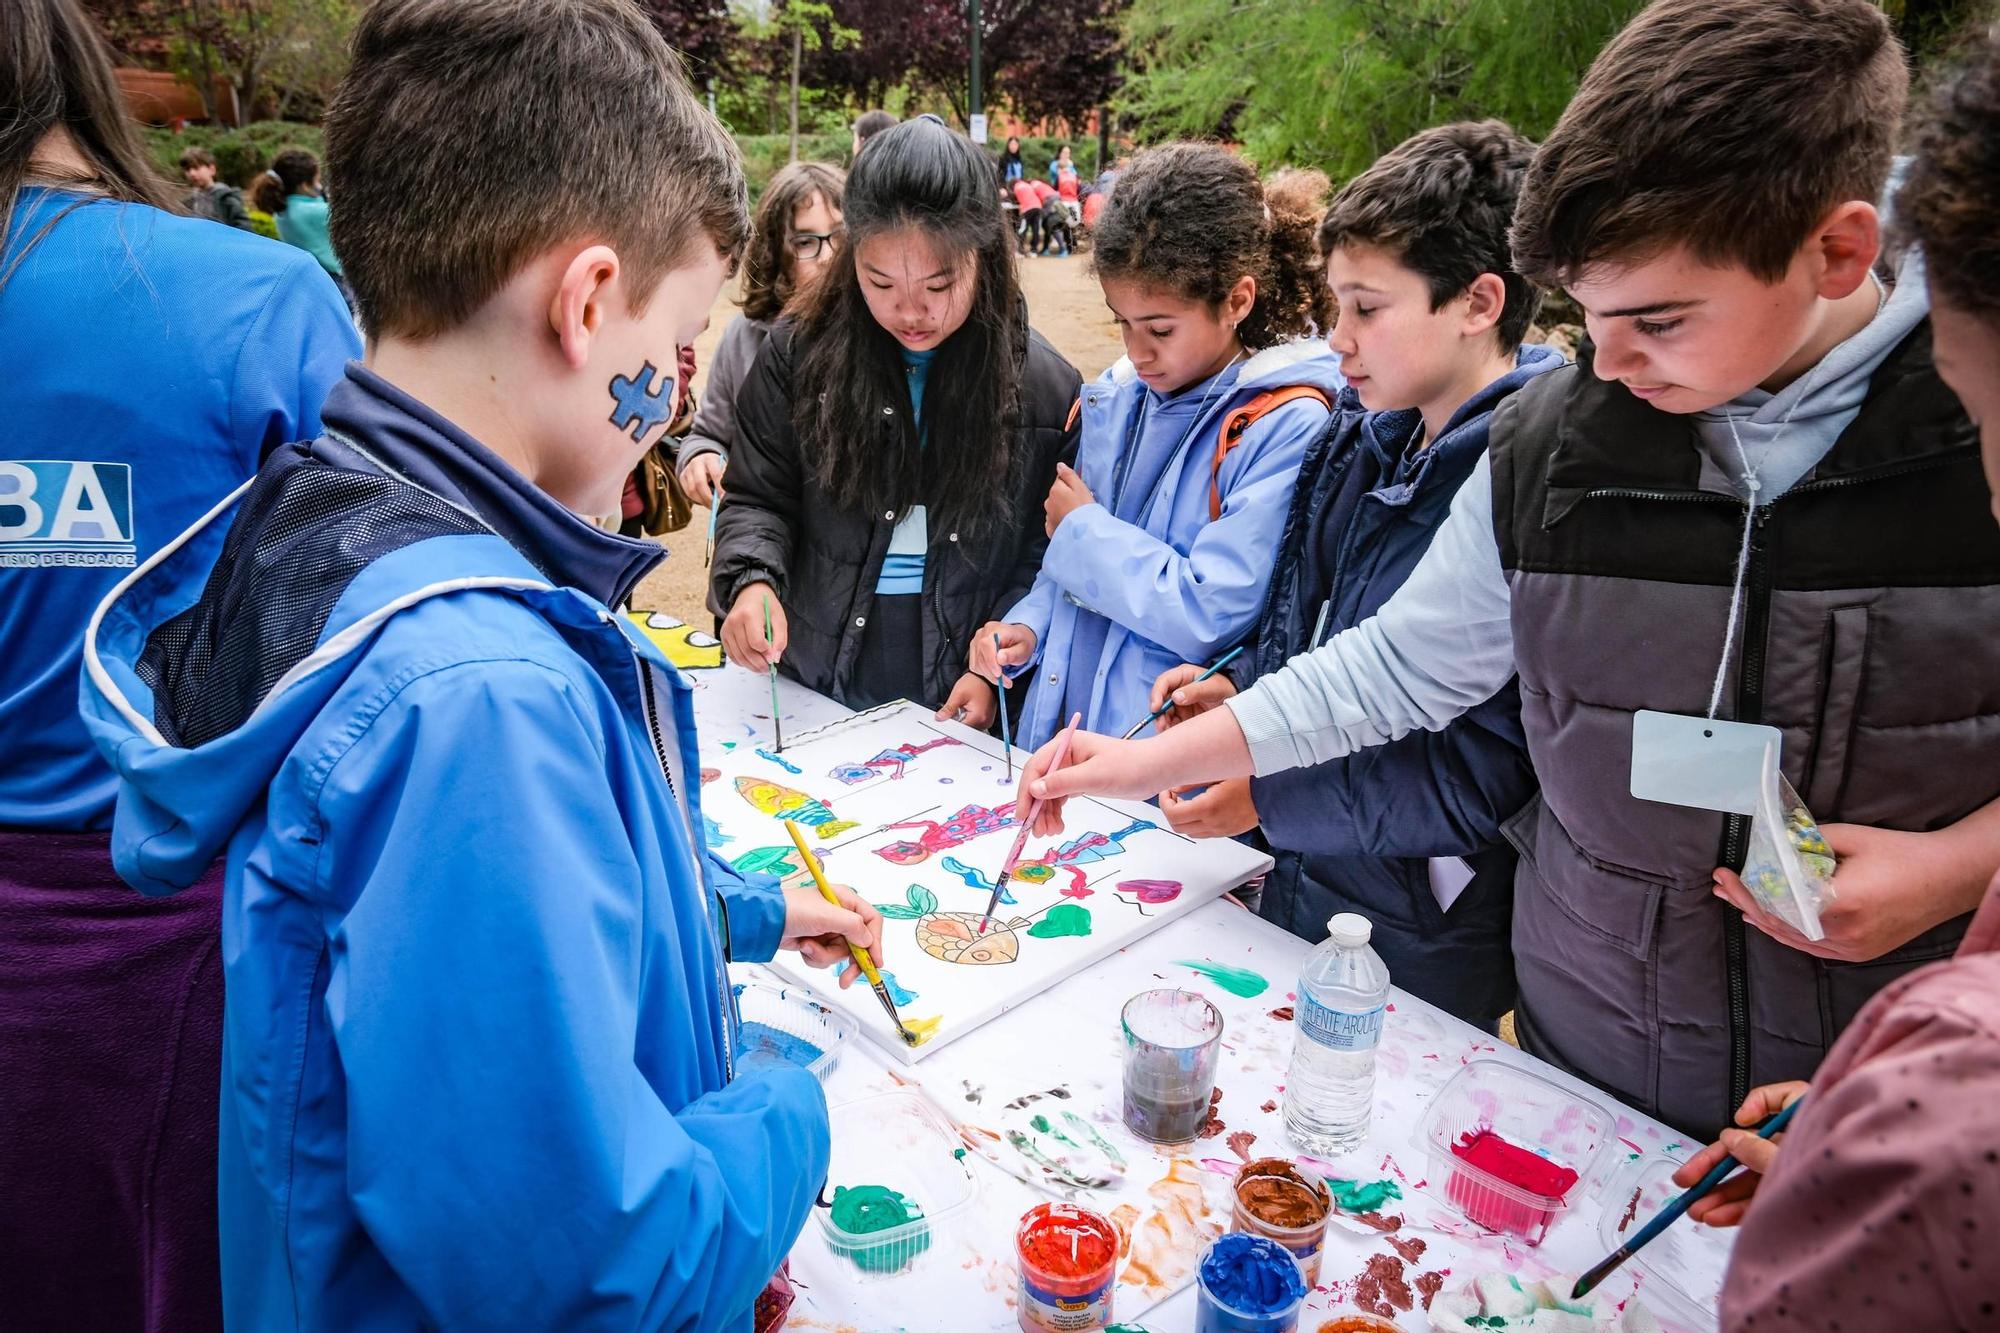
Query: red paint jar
pixel 1068 1258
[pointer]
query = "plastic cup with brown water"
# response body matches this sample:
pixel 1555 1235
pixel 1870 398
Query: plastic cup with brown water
pixel 1172 1041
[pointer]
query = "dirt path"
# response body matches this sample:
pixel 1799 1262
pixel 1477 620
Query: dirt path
pixel 1064 305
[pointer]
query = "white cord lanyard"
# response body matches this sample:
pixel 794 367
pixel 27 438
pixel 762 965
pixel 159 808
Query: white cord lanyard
pixel 1752 485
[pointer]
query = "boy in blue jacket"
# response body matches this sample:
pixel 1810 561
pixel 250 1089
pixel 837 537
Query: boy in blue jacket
pixel 1429 335
pixel 478 1066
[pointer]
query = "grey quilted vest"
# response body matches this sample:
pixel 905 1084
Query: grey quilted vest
pixel 1871 636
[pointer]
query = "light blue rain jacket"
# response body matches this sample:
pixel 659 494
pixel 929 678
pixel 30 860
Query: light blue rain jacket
pixel 1166 584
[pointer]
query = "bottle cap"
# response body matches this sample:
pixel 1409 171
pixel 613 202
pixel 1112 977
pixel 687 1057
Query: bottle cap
pixel 1350 930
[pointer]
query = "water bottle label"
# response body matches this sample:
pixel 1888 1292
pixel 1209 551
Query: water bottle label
pixel 1338 1030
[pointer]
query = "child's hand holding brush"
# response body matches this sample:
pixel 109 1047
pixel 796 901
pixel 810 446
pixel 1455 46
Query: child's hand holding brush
pixel 1725 1205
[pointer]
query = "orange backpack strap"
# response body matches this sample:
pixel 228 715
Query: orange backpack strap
pixel 1241 420
pixel 1075 411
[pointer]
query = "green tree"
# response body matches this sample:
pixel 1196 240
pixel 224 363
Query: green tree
pixel 1338 82
pixel 794 26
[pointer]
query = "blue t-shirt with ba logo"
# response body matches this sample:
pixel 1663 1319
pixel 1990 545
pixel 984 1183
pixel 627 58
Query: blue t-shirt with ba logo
pixel 151 361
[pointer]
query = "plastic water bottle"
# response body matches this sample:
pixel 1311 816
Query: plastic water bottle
pixel 1343 989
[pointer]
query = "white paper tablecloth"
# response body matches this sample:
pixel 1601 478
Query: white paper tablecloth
pixel 1069 1039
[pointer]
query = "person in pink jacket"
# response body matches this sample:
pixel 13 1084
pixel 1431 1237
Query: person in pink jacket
pixel 1880 1209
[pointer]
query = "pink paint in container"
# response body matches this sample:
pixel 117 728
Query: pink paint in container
pixel 1511 1150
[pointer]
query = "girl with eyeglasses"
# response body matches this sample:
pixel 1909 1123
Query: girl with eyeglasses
pixel 896 443
pixel 795 233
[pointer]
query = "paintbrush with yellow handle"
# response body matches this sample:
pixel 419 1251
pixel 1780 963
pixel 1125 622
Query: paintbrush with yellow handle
pixel 861 958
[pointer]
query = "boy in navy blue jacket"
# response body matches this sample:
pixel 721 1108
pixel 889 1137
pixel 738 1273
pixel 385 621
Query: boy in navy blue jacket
pixel 479 1063
pixel 1429 335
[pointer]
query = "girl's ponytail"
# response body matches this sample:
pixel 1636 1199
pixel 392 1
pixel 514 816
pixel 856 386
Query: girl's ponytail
pixel 1292 296
pixel 1192 217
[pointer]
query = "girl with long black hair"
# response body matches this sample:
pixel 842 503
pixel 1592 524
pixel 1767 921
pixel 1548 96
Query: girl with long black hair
pixel 896 444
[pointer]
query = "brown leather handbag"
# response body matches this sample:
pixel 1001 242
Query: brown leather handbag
pixel 664 506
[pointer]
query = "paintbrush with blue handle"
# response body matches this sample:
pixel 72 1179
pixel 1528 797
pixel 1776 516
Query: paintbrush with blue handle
pixel 1168 702
pixel 1665 1217
pixel 1006 729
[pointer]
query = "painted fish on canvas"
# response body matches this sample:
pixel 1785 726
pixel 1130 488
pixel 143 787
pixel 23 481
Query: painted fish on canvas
pixel 782 802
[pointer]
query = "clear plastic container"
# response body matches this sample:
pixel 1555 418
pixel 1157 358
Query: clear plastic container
pixel 1511 1150
pixel 791 1012
pixel 900 1142
pixel 1679 1272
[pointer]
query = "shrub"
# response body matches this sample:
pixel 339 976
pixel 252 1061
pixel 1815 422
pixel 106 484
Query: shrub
pixel 239 153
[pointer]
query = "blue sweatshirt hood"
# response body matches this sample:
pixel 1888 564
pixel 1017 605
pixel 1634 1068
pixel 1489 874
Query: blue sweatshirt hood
pixel 179 804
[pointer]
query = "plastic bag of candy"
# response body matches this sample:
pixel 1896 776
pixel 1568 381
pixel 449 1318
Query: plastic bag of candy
pixel 1789 868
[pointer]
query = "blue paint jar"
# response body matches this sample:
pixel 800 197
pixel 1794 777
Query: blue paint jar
pixel 1248 1284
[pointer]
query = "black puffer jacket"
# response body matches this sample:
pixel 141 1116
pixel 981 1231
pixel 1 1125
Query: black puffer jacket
pixel 779 526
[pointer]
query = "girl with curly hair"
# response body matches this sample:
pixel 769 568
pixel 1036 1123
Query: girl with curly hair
pixel 1161 537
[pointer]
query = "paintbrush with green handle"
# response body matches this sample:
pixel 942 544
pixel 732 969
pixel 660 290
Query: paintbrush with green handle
pixel 1680 1204
pixel 777 728
pixel 861 958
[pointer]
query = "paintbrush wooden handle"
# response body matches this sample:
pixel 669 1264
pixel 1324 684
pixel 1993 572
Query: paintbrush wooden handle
pixel 861 958
pixel 1676 1206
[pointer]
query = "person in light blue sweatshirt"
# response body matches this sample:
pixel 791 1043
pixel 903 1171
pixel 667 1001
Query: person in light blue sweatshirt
pixel 152 361
pixel 1161 538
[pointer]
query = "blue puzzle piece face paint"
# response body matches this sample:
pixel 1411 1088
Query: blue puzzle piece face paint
pixel 640 407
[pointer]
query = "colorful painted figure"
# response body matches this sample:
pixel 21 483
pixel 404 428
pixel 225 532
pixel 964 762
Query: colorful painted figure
pixel 889 763
pixel 954 937
pixel 782 802
pixel 974 821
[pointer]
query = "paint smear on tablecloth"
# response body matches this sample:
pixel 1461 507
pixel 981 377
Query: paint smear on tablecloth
pixel 1239 981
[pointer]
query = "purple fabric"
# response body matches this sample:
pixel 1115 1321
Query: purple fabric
pixel 110 1043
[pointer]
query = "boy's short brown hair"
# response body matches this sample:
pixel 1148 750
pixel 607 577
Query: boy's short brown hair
pixel 196 156
pixel 471 135
pixel 1441 201
pixel 1950 202
pixel 1726 126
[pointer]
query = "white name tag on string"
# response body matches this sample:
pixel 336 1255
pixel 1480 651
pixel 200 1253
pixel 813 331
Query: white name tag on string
pixel 1701 762
pixel 1704 762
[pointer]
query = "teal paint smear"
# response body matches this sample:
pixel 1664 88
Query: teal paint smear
pixel 1355 1196
pixel 1025 1146
pixel 1040 1124
pixel 865 1209
pixel 1240 981
pixel 1103 1144
pixel 1062 920
pixel 766 861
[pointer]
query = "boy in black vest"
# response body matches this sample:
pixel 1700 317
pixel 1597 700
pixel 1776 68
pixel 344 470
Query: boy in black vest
pixel 1751 500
